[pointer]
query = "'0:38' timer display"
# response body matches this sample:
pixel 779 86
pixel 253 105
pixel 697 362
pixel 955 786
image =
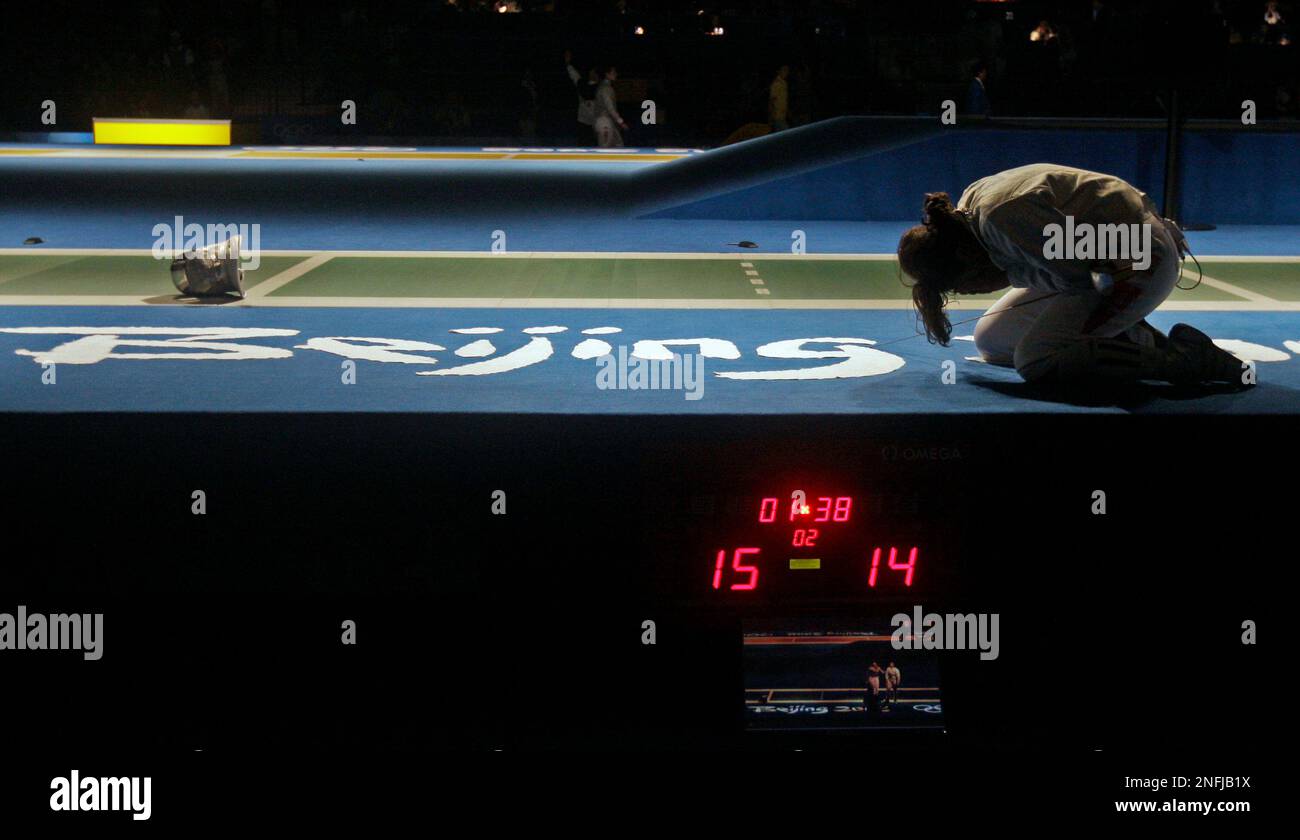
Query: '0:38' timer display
pixel 806 543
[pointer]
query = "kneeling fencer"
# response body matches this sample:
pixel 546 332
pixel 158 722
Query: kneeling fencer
pixel 1087 257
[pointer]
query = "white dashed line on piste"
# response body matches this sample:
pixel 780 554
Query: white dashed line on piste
pixel 754 279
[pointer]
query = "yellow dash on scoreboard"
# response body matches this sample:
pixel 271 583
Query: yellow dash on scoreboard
pixel 805 562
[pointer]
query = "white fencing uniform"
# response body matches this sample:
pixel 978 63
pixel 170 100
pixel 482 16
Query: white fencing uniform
pixel 607 118
pixel 1009 213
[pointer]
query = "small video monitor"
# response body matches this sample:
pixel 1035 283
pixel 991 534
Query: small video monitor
pixel 802 676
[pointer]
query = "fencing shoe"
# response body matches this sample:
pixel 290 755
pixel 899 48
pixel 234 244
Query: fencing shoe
pixel 1193 359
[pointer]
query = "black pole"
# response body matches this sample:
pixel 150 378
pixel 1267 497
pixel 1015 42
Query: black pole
pixel 1172 204
pixel 1169 205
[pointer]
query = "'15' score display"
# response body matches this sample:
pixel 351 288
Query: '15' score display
pixel 809 543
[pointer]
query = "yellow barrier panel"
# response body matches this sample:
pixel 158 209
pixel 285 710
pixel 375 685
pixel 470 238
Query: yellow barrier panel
pixel 150 132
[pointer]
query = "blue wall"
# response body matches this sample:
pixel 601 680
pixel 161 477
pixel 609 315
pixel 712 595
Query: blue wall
pixel 1241 178
pixel 1229 177
pixel 849 169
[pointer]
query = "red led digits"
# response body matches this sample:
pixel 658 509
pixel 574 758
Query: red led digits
pixel 909 567
pixel 834 509
pixel 805 537
pixel 738 567
pixel 828 509
pixel 752 571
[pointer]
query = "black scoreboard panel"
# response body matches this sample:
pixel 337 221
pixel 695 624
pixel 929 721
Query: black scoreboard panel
pixel 766 559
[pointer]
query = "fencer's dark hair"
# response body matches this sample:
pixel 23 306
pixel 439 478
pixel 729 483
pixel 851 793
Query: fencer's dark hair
pixel 930 255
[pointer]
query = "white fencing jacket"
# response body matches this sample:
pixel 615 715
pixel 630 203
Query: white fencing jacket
pixel 1009 213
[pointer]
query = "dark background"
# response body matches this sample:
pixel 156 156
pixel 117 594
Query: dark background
pixel 224 680
pixel 1119 631
pixel 439 72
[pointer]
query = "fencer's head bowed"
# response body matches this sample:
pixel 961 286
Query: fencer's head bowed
pixel 931 256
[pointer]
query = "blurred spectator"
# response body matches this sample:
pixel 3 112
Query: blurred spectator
pixel 196 110
pixel 778 100
pixel 528 105
pixel 977 98
pixel 214 67
pixel 178 64
pixel 450 117
pixel 1274 29
pixel 1042 33
pixel 748 131
pixel 586 91
pixel 1041 72
pixel 801 95
pixel 268 31
pixel 1099 16
pixel 1284 106
pixel 351 16
pixel 1095 39
pixel 149 26
pixel 146 105
pixel 385 109
pixel 608 121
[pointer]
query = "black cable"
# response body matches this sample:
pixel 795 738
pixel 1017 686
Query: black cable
pixel 1199 272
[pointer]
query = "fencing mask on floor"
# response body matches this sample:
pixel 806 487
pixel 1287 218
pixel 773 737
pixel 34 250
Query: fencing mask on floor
pixel 211 271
